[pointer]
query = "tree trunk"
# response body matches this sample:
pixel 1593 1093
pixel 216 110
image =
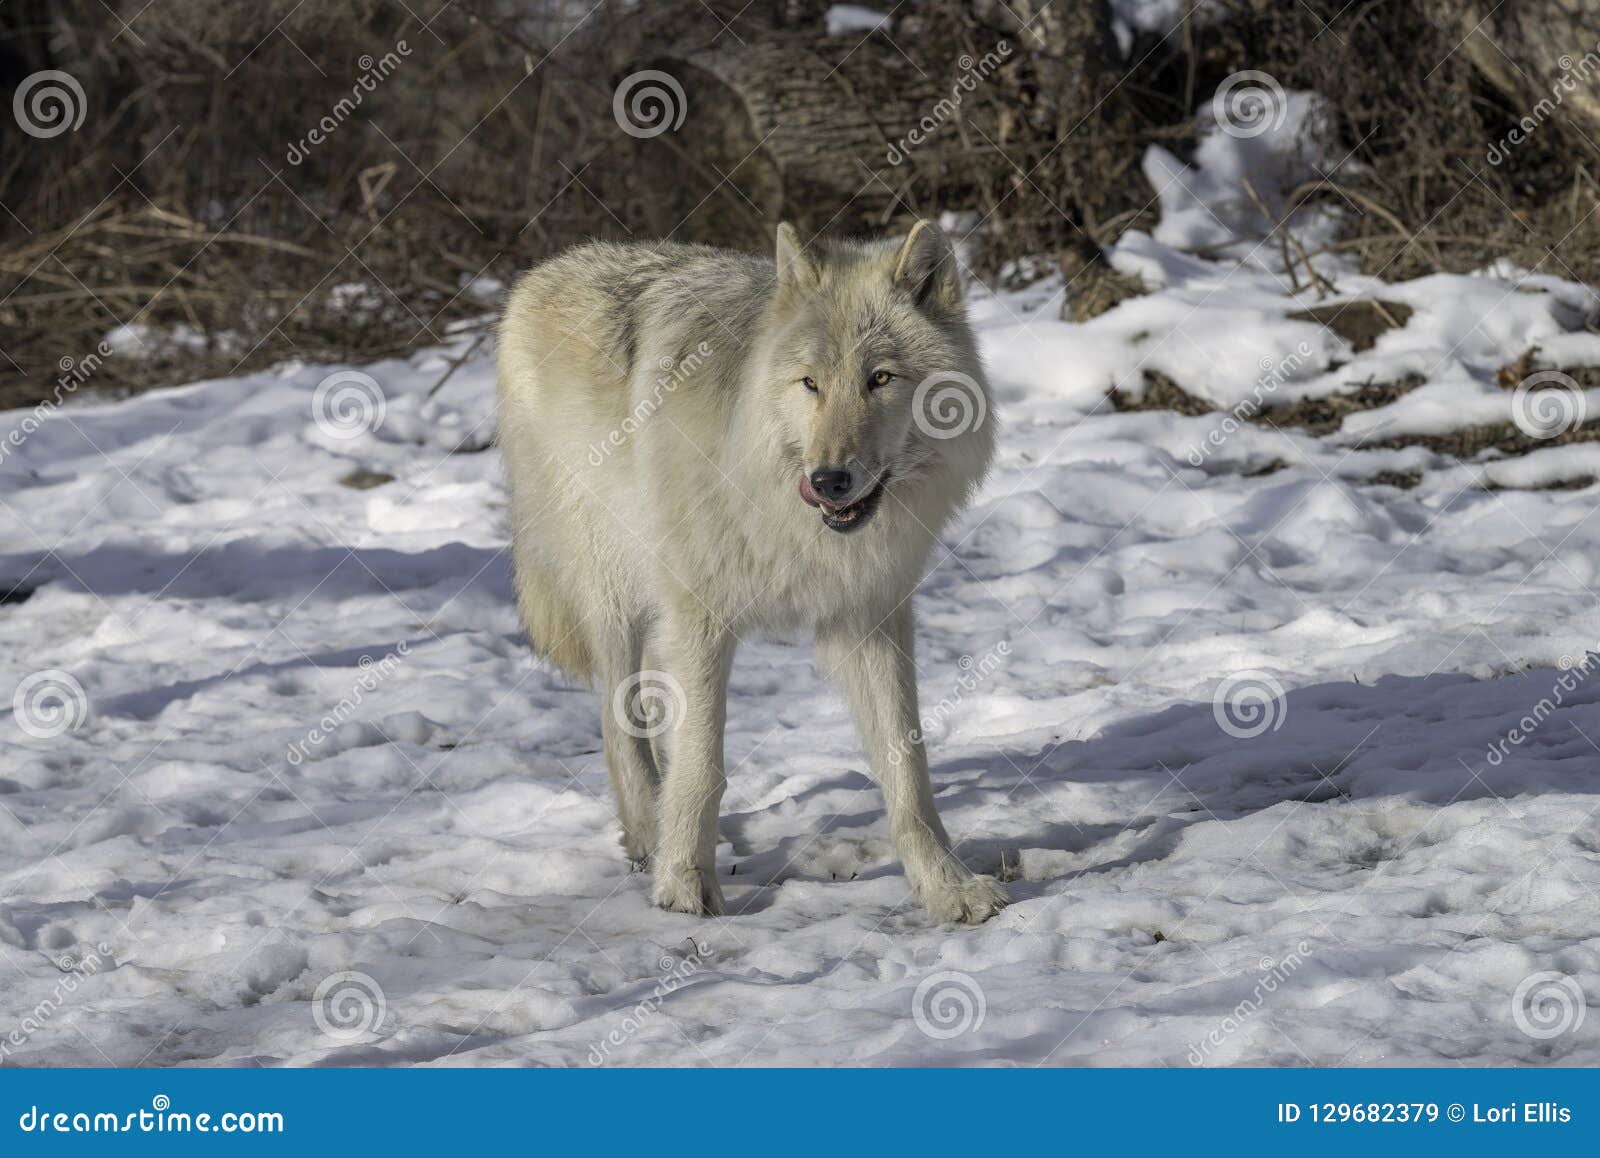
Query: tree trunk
pixel 1544 55
pixel 849 133
pixel 793 126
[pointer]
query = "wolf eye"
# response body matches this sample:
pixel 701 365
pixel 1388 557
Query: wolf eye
pixel 810 384
pixel 881 378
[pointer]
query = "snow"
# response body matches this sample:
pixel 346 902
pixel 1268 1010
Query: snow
pixel 1159 18
pixel 849 19
pixel 1288 768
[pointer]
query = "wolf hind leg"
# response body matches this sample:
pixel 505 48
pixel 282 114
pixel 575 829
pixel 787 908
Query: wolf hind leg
pixel 631 720
pixel 650 661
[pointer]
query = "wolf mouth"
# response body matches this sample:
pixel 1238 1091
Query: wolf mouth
pixel 851 517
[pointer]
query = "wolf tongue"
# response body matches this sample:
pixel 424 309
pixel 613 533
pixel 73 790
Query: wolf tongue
pixel 809 495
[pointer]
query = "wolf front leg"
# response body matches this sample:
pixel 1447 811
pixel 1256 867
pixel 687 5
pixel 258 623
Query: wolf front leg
pixel 879 676
pixel 696 651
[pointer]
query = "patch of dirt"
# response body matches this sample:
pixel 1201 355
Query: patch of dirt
pixel 1093 286
pixel 1322 416
pixel 1472 441
pixel 1326 415
pixel 1162 393
pixel 364 480
pixel 1513 374
pixel 1404 479
pixel 1510 376
pixel 1576 483
pixel 1361 322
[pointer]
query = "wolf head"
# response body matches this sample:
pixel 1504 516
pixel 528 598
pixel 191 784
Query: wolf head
pixel 871 367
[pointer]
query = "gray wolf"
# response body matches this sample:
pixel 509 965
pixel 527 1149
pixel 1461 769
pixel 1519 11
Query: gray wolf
pixel 700 445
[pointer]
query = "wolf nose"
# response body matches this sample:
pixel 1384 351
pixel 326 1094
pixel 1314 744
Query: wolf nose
pixel 830 484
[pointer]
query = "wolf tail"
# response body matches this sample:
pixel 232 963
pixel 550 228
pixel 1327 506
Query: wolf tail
pixel 554 624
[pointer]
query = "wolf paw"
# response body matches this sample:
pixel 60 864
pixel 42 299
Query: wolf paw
pixel 637 843
pixel 688 890
pixel 969 899
pixel 637 852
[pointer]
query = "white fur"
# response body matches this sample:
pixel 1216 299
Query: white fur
pixel 655 428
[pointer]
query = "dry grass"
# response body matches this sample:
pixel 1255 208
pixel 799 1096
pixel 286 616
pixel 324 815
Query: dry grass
pixel 176 210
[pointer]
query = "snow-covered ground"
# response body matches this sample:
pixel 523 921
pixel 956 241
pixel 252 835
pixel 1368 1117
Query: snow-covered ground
pixel 316 804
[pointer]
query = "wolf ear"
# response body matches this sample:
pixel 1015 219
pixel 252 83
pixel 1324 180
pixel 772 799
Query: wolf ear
pixel 926 265
pixel 794 267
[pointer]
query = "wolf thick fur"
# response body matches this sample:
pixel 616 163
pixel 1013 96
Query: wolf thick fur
pixel 667 413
